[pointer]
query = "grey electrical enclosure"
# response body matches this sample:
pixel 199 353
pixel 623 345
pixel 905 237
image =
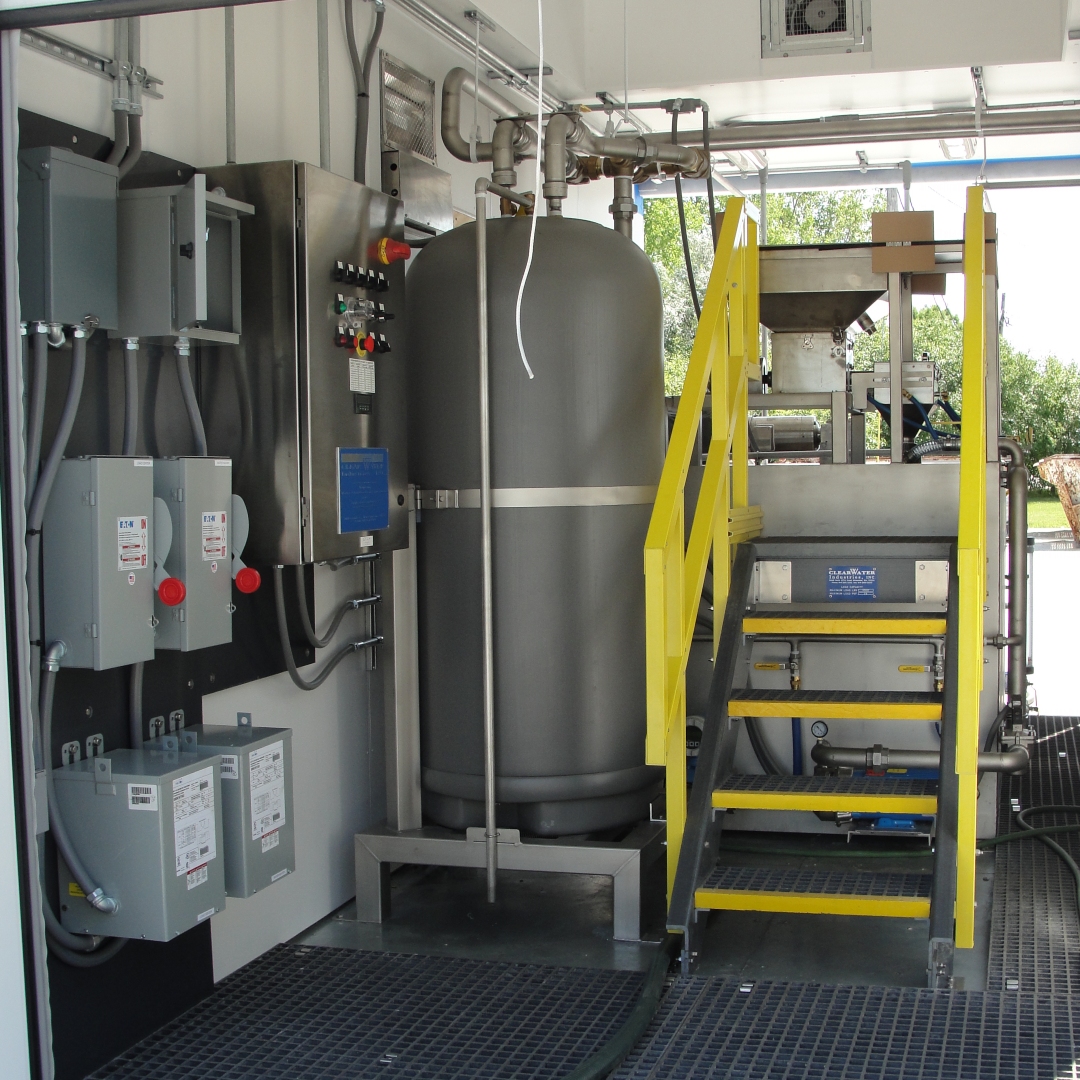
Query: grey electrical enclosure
pixel 98 561
pixel 320 452
pixel 179 262
pixel 256 801
pixel 197 495
pixel 67 238
pixel 147 824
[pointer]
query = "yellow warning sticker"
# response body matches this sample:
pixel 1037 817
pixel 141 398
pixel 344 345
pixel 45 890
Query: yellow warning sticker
pixel 916 669
pixel 74 889
pixel 769 667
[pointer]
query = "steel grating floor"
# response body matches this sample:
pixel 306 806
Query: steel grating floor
pixel 1035 935
pixel 827 785
pixel 331 1014
pixel 818 882
pixel 710 1029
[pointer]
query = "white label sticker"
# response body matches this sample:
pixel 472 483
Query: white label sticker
pixel 270 841
pixel 193 819
pixel 143 463
pixel 142 796
pixel 361 375
pixel 279 874
pixel 206 914
pixel 222 462
pixel 230 766
pixel 266 768
pixel 214 536
pixel 131 543
pixel 197 876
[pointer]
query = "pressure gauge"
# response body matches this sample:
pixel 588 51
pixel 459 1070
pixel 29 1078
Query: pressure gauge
pixel 819 729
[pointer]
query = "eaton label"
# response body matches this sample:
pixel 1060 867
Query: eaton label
pixel 132 546
pixel 852 583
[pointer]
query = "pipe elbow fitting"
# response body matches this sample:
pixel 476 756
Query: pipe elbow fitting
pixel 108 905
pixel 56 651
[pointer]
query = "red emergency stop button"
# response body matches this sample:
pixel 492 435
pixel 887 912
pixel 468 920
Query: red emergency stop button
pixel 248 579
pixel 367 344
pixel 172 592
pixel 389 251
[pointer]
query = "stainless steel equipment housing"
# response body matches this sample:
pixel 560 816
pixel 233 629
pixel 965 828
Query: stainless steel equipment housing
pixel 287 380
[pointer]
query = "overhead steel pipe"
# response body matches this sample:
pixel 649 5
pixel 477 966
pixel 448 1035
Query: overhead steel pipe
pixel 1016 482
pixel 879 758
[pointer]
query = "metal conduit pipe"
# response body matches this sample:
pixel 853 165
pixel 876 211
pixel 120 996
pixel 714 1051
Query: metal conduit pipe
pixel 503 157
pixel 622 206
pixel 460 83
pixel 894 127
pixel 1017 484
pixel 879 758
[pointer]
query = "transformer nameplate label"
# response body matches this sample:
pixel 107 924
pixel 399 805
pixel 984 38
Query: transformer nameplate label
pixel 852 583
pixel 266 770
pixel 361 375
pixel 194 830
pixel 363 489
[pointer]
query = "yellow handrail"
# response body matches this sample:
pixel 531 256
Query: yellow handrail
pixel 971 561
pixel 725 349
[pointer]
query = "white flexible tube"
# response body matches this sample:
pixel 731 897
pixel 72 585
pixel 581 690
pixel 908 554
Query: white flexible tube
pixel 536 190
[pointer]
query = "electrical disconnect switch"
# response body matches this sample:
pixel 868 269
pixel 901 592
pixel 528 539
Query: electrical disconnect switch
pixel 195 495
pixel 98 561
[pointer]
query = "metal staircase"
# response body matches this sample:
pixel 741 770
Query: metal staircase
pixel 726 531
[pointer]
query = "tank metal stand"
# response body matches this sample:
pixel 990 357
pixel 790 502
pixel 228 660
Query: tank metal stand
pixel 624 862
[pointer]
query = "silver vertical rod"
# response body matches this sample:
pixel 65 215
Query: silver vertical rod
pixel 324 84
pixel 491 836
pixel 230 85
pixel 896 371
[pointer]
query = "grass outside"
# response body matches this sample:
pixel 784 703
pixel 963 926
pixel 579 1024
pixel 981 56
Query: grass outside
pixel 1045 512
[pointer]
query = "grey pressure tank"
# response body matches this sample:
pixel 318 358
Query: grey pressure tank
pixel 576 455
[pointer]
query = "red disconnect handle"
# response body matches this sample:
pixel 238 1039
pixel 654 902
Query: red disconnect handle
pixel 172 592
pixel 248 580
pixel 389 251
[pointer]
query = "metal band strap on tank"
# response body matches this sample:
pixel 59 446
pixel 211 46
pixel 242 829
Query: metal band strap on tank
pixel 469 498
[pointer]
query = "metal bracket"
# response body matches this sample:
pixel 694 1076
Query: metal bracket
pixel 103 782
pixel 81 57
pixel 95 745
pixel 71 752
pixel 157 726
pixel 478 835
pixel 176 720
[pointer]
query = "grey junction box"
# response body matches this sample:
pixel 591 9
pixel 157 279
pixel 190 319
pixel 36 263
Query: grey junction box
pixel 195 495
pixel 256 801
pixel 147 824
pixel 67 238
pixel 98 561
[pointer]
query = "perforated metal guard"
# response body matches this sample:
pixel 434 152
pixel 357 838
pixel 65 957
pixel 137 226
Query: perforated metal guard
pixel 816 17
pixel 408 109
pixel 1035 935
pixel 818 882
pixel 827 785
pixel 339 1014
pixel 707 1029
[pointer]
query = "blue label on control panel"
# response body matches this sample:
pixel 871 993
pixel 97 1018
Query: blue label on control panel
pixel 852 583
pixel 363 489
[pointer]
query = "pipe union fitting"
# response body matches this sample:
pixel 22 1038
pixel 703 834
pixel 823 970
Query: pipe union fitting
pixel 103 903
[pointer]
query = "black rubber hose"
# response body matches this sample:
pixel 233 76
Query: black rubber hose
pixel 362 80
pixel 84 959
pixel 761 751
pixel 708 175
pixel 682 221
pixel 314 640
pixel 38 383
pixel 286 646
pixel 608 1058
pixel 134 150
pixel 191 403
pixel 1044 838
pixel 120 138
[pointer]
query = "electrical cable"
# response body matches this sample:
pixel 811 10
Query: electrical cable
pixel 286 646
pixel 131 400
pixel 682 220
pixel 536 191
pixel 607 1059
pixel 134 150
pixel 120 138
pixel 362 81
pixel 191 403
pixel 135 704
pixel 761 751
pixel 314 640
pixel 36 417
pixel 708 175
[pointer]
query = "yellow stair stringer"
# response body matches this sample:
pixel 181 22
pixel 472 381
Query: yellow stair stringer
pixel 813 903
